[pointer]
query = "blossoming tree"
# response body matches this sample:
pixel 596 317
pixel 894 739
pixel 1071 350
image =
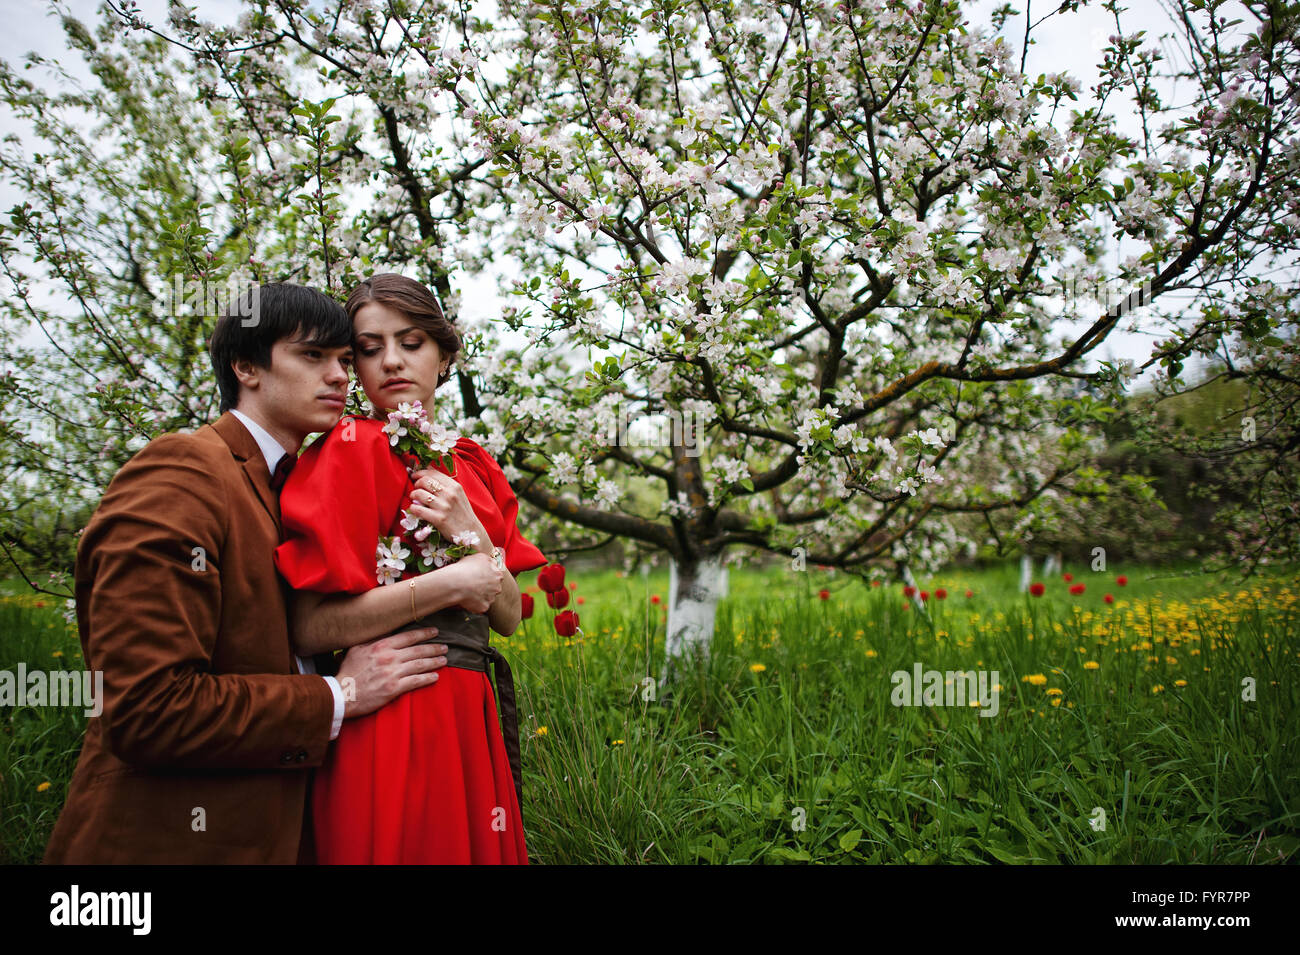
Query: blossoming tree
pixel 824 241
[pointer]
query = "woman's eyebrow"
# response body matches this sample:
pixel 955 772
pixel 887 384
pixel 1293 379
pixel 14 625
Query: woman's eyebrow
pixel 401 331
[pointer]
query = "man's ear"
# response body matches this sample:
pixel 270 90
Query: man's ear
pixel 249 374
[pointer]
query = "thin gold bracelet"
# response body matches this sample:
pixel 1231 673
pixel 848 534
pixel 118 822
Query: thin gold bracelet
pixel 414 615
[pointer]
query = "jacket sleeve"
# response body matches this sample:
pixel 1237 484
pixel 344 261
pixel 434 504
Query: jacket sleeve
pixel 151 619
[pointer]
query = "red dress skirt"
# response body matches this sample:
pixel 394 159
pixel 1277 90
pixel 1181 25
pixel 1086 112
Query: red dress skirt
pixel 425 779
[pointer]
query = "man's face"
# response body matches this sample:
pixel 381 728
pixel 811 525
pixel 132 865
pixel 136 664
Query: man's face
pixel 303 391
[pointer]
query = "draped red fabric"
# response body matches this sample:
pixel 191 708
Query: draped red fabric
pixel 426 778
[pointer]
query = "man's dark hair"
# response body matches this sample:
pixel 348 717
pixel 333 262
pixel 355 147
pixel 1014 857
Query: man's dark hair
pixel 277 311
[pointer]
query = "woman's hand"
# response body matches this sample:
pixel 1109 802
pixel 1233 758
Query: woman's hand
pixel 479 581
pixel 441 501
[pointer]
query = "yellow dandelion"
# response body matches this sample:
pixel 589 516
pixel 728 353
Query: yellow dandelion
pixel 1056 702
pixel 1171 660
pixel 871 653
pixel 1180 682
pixel 1158 688
pixel 42 787
pixel 1036 679
pixel 756 668
pixel 57 653
pixel 1054 691
pixel 617 742
pixel 541 731
pixel 1091 665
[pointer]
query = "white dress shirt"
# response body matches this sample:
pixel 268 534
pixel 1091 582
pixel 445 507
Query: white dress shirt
pixel 273 452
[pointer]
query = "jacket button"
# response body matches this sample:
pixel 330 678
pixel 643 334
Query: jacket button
pixel 286 757
pixel 301 756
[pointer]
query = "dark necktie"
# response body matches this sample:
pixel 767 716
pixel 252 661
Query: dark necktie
pixel 282 469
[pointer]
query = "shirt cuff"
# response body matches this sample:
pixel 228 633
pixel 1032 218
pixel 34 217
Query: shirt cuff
pixel 339 706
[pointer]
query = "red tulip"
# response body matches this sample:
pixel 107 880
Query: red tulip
pixel 1067 577
pixel 875 583
pixel 909 591
pixel 1109 599
pixel 558 599
pixel 525 606
pixel 551 578
pixel 573 586
pixel 824 594
pixel 566 623
pixel 970 593
pixel 1037 589
pixel 1077 589
pixel 925 595
pixel 582 600
pixel 654 598
pixel 941 594
pixel 1121 580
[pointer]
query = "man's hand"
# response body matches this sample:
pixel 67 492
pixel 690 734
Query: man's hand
pixel 384 669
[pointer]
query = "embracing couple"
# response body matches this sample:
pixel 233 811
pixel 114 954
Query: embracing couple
pixel 267 699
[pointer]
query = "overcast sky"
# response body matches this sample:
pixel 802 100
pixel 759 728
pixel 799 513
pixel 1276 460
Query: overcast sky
pixel 1063 43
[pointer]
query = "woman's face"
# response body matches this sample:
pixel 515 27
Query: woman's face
pixel 396 361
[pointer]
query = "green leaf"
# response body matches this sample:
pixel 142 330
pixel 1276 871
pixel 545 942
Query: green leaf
pixel 849 841
pixel 786 854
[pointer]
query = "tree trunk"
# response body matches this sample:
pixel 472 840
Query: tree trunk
pixel 1052 566
pixel 1026 572
pixel 905 572
pixel 694 589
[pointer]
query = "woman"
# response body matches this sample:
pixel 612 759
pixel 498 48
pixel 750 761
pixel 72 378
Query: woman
pixel 427 778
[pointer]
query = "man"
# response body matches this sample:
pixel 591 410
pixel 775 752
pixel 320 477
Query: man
pixel 208 728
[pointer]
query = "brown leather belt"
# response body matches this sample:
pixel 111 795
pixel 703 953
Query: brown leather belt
pixel 466 636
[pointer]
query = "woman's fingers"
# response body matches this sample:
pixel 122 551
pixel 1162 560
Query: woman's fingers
pixel 427 514
pixel 448 510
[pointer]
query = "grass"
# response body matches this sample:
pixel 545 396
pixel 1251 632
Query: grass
pixel 38 744
pixel 784 745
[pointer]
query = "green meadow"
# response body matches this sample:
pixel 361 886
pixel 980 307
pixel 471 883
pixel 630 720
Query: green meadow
pixel 1160 727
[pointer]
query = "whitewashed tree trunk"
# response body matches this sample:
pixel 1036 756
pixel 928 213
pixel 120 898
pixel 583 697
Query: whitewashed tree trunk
pixel 694 590
pixel 1052 566
pixel 905 571
pixel 1026 572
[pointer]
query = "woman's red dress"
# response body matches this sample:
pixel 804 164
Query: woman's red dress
pixel 425 779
